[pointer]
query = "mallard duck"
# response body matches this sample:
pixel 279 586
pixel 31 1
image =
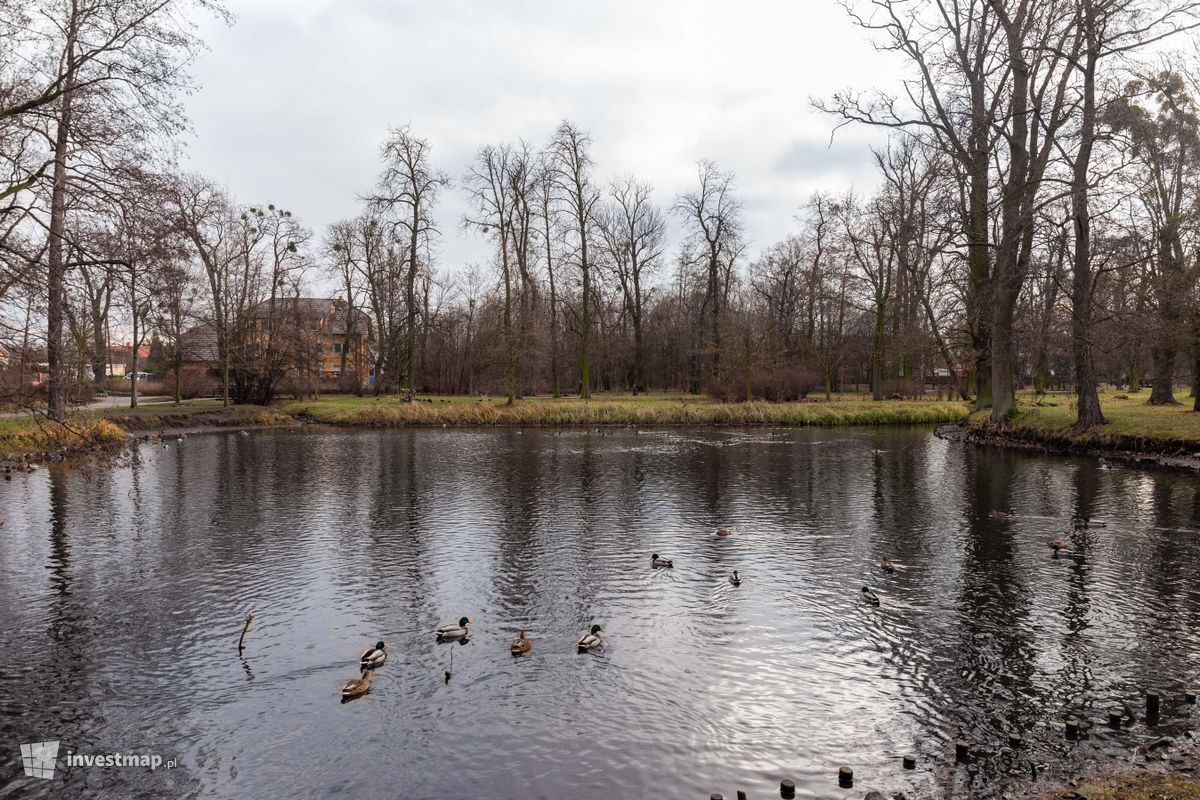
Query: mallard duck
pixel 1058 546
pixel 1000 514
pixel 735 578
pixel 374 657
pixel 357 687
pixel 655 561
pixel 590 641
pixel 887 566
pixel 453 631
pixel 520 645
pixel 869 597
pixel 724 532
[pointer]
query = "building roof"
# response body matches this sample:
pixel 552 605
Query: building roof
pixel 200 343
pixel 126 351
pixel 324 314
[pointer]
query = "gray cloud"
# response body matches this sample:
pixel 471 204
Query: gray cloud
pixel 298 94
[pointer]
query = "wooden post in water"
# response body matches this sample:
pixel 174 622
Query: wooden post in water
pixel 962 750
pixel 741 795
pixel 716 796
pixel 787 789
pixel 910 762
pixel 1072 728
pixel 1015 739
pixel 1189 698
pixel 245 628
pixel 1152 706
pixel 845 777
pixel 1115 715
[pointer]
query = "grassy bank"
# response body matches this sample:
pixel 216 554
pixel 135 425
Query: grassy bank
pixel 1144 786
pixel 86 429
pixel 1132 425
pixel 29 435
pixel 645 410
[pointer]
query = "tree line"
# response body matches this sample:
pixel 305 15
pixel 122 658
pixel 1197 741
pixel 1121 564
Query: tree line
pixel 1034 223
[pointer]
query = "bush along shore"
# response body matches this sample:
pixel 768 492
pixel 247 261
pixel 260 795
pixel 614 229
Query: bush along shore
pixel 1135 431
pixel 33 439
pixel 648 411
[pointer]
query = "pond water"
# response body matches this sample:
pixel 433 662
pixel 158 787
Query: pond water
pixel 123 587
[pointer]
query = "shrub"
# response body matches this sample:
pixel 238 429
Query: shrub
pixel 775 385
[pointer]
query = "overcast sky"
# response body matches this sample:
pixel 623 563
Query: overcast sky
pixel 297 95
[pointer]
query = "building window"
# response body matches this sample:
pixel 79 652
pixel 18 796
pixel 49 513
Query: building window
pixel 337 348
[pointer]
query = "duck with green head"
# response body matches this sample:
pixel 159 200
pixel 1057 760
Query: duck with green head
pixel 869 597
pixel 592 640
pixel 373 657
pixel 454 631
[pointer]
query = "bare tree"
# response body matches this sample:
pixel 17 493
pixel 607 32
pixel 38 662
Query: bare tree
pixel 712 216
pixel 106 60
pixel 633 232
pixel 571 168
pixel 1165 142
pixel 407 192
pixel 489 185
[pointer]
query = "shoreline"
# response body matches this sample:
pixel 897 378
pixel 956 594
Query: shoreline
pixel 45 441
pixel 35 440
pixel 1034 430
pixel 1138 451
pixel 1163 770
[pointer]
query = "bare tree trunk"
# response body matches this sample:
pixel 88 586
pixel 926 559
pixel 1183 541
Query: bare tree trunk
pixel 1088 411
pixel 877 356
pixel 1162 352
pixel 410 299
pixel 1196 360
pixel 58 218
pixel 585 364
pixel 133 383
pixel 554 379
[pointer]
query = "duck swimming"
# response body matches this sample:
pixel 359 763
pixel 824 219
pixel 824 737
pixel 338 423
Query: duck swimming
pixel 724 532
pixel 592 640
pixel 887 566
pixel 520 645
pixel 869 597
pixel 373 657
pixel 357 687
pixel 655 561
pixel 735 578
pixel 452 631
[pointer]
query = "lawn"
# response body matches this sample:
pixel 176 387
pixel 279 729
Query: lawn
pixel 1132 423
